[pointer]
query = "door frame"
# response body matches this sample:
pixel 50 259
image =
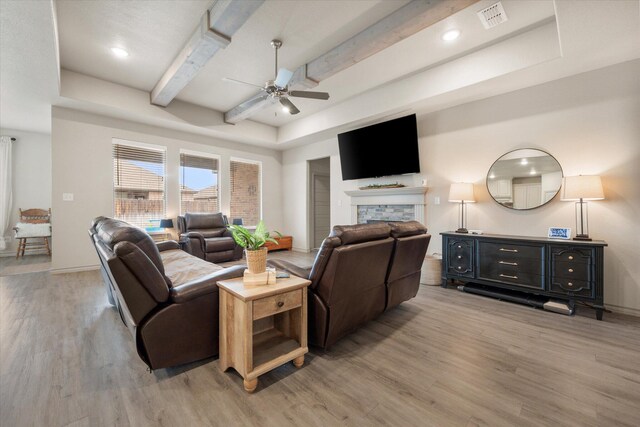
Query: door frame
pixel 312 207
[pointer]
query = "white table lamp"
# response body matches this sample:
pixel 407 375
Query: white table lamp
pixel 582 188
pixel 462 192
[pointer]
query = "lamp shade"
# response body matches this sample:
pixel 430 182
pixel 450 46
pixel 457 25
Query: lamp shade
pixel 461 191
pixel 585 187
pixel 166 223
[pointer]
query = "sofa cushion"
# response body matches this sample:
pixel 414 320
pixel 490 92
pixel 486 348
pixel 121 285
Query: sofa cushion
pixel 113 231
pixel 350 234
pixel 204 221
pixel 138 263
pixel 182 267
pixel 405 229
pixel 219 244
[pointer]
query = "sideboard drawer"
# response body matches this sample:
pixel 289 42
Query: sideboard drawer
pixel 572 271
pixel 564 286
pixel 511 251
pixel 460 260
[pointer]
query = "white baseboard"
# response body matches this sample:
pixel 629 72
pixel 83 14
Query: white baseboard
pixel 303 250
pixel 74 269
pixel 623 310
pixel 12 253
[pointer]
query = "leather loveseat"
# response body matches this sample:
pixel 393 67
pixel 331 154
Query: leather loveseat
pixel 359 272
pixel 207 237
pixel 167 298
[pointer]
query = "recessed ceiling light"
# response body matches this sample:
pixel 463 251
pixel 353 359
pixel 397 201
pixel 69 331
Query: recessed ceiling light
pixel 451 35
pixel 285 109
pixel 524 162
pixel 533 172
pixel 119 52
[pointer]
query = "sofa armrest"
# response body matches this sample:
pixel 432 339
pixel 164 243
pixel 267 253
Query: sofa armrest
pixel 205 284
pixel 290 268
pixel 167 245
pixel 195 244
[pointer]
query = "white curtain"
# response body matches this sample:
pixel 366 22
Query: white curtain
pixel 5 189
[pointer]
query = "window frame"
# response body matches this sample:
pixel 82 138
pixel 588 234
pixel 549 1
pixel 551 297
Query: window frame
pixel 260 187
pixel 144 146
pixel 194 153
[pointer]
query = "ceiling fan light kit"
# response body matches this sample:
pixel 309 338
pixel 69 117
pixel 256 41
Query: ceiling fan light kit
pixel 278 90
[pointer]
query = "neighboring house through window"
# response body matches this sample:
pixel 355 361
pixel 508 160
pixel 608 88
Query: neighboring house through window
pixel 138 183
pixel 246 191
pixel 199 183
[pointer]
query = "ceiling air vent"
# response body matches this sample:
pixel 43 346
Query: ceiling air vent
pixel 492 16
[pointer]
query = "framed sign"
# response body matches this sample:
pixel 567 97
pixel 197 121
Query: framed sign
pixel 559 233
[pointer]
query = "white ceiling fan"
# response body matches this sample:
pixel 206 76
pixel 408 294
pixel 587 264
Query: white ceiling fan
pixel 278 89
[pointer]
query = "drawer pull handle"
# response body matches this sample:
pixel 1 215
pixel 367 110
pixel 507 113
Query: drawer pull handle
pixel 459 268
pixel 459 256
pixel 570 256
pixel 510 277
pixel 507 263
pixel 508 250
pixel 569 284
pixel 280 304
pixel 459 247
pixel 571 270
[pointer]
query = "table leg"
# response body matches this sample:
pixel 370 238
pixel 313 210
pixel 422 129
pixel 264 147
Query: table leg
pixel 250 385
pixel 298 361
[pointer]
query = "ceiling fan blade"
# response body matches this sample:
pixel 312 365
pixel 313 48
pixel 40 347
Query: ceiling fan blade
pixel 309 94
pixel 227 79
pixel 283 77
pixel 289 105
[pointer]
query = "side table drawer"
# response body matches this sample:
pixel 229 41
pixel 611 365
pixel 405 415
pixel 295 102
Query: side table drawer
pixel 276 304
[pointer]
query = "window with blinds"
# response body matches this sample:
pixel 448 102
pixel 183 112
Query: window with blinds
pixel 246 200
pixel 199 188
pixel 139 185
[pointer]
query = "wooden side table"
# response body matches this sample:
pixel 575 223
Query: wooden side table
pixel 262 327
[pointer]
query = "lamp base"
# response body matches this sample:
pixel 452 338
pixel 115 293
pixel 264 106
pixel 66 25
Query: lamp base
pixel 462 230
pixel 583 237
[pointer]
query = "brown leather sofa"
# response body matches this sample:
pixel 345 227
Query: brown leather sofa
pixel 167 298
pixel 208 238
pixel 359 272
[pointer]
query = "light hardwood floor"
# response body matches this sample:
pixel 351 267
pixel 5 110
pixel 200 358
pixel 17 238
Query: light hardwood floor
pixel 444 358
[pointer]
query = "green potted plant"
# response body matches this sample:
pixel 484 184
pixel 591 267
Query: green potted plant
pixel 253 244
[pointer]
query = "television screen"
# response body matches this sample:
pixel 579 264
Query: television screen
pixel 383 149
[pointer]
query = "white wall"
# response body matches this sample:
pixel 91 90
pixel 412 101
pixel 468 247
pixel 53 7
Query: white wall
pixel 82 165
pixel 31 171
pixel 589 122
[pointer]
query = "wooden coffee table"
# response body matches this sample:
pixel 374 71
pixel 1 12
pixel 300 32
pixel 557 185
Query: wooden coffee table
pixel 262 327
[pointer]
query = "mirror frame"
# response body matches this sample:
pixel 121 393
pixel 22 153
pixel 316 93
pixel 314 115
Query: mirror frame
pixel 526 209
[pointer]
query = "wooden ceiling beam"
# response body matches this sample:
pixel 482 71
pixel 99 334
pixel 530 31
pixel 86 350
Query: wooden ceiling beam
pixel 404 22
pixel 214 32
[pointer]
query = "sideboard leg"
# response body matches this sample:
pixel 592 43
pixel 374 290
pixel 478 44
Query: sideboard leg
pixel 599 311
pixel 444 283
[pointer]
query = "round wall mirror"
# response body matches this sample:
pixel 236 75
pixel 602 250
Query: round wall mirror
pixel 524 179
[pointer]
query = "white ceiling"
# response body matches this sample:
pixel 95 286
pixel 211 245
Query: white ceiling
pixel 28 65
pixel 307 28
pixel 589 35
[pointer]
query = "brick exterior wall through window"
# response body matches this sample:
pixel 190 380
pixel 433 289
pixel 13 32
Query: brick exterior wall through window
pixel 245 192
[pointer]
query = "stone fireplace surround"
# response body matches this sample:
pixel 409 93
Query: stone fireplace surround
pixel 391 204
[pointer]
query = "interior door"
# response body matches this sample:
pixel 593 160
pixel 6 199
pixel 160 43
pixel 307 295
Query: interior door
pixel 321 210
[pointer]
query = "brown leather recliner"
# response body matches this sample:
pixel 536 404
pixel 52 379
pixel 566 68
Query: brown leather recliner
pixel 359 272
pixel 167 298
pixel 208 238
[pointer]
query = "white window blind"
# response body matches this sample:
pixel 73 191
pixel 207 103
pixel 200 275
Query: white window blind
pixel 139 184
pixel 245 192
pixel 199 188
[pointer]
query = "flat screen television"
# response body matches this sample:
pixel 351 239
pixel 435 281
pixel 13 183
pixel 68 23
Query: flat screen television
pixel 383 149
